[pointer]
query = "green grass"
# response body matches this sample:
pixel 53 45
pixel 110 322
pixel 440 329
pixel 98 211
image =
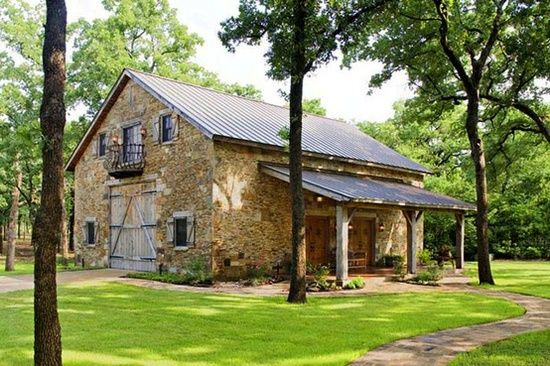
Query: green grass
pixel 26 266
pixel 118 324
pixel 524 277
pixel 529 349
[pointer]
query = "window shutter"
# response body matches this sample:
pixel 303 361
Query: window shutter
pixel 96 232
pixel 170 230
pixel 156 130
pixel 175 126
pixel 95 151
pixel 190 230
pixel 84 233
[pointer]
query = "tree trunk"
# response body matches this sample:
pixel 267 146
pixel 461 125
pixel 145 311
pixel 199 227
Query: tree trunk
pixel 297 293
pixel 46 233
pixel 482 220
pixel 14 219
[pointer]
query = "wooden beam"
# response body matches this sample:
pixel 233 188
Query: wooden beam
pixel 459 240
pixel 412 218
pixel 342 222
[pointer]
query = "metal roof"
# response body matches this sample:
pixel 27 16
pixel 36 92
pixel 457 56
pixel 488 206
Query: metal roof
pixel 349 188
pixel 219 114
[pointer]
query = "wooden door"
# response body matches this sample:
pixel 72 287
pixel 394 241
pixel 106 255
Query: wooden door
pixel 317 240
pixel 361 237
pixel 133 228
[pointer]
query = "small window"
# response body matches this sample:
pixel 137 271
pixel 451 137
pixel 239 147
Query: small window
pixel 90 232
pixel 180 239
pixel 102 144
pixel 167 128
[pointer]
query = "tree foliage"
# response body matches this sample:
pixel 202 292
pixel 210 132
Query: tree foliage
pixel 144 35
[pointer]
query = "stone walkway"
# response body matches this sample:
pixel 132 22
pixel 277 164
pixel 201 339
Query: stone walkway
pixel 26 282
pixel 440 348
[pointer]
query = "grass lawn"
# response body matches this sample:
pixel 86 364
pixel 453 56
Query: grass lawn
pixel 118 324
pixel 524 277
pixel 26 266
pixel 529 349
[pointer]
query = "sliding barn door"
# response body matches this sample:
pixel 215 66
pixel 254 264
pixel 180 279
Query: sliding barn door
pixel 133 228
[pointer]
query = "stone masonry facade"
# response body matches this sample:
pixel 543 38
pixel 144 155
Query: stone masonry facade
pixel 242 216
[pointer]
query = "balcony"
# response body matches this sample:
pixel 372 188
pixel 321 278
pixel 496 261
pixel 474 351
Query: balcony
pixel 124 160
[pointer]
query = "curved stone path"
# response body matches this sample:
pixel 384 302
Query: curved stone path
pixel 440 348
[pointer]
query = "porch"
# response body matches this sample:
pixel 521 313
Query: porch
pixel 345 218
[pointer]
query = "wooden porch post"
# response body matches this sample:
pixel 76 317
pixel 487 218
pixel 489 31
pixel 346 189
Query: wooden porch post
pixel 412 217
pixel 342 222
pixel 459 240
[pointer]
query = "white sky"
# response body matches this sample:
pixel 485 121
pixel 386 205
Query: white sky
pixel 343 92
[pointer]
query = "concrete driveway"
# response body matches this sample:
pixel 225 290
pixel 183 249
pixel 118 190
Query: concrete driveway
pixel 26 282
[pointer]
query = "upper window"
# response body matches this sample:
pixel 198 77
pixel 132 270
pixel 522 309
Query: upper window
pixel 167 128
pixel 180 226
pixel 132 150
pixel 102 144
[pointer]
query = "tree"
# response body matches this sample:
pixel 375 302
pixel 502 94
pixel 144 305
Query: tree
pixel 143 34
pixel 46 233
pixel 313 30
pixel 489 54
pixel 314 106
pixel 14 214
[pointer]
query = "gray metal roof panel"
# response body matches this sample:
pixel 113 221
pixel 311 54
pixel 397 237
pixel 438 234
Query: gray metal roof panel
pixel 350 188
pixel 226 115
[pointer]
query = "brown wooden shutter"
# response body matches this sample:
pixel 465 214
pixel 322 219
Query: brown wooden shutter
pixel 175 126
pixel 156 130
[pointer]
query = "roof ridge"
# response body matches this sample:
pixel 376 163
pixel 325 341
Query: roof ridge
pixel 230 94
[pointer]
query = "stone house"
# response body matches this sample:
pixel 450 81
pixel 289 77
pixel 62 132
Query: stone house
pixel 169 172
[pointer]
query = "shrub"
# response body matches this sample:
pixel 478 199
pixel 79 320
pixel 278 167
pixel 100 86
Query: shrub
pixel 320 274
pixel 356 283
pixel 424 257
pixel 257 274
pixel 532 253
pixel 444 254
pixel 196 273
pixel 388 260
pixel 430 276
pixel 399 267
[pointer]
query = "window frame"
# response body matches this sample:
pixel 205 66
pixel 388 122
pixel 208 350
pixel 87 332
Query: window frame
pixel 183 220
pixel 161 128
pixel 90 235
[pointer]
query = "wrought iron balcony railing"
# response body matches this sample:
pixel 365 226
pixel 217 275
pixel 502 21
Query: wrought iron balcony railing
pixel 126 160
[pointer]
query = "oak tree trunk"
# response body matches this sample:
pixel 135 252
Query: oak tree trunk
pixel 14 218
pixel 297 293
pixel 46 235
pixel 482 220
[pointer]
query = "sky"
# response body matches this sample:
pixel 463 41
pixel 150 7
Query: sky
pixel 343 92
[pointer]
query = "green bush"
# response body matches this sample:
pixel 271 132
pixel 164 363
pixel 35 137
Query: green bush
pixel 424 257
pixel 532 253
pixel 399 267
pixel 257 274
pixel 430 276
pixel 388 260
pixel 320 274
pixel 356 283
pixel 194 274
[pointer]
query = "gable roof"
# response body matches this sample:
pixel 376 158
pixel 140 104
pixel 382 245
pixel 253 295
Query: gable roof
pixel 225 116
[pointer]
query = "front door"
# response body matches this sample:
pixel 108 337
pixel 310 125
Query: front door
pixel 361 238
pixel 133 227
pixel 317 240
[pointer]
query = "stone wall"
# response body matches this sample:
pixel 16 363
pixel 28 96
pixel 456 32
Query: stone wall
pixel 181 170
pixel 252 222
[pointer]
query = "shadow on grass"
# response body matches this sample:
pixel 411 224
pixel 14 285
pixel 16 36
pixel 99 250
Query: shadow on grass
pixel 117 324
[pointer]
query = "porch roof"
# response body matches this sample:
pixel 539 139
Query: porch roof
pixel 355 189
